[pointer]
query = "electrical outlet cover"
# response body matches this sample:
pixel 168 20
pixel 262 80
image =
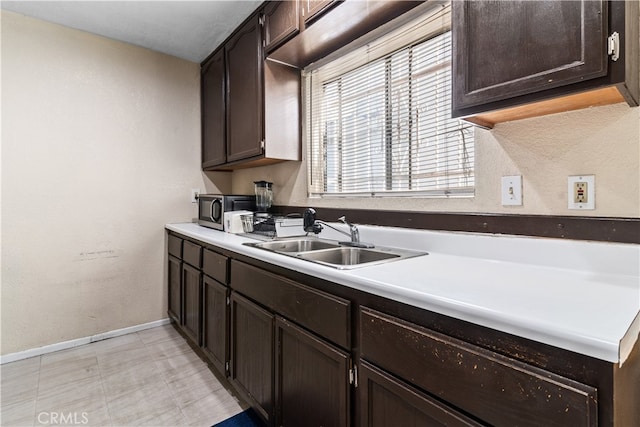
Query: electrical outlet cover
pixel 576 191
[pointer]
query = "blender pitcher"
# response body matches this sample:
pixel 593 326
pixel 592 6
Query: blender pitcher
pixel 264 195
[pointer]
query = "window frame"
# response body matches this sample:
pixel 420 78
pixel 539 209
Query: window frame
pixel 317 159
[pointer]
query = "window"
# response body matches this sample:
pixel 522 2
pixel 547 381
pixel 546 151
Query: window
pixel 378 118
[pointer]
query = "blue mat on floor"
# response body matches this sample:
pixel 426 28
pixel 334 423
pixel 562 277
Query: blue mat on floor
pixel 247 418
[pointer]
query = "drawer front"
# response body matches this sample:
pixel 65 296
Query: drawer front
pixel 175 246
pixel 324 314
pixel 191 254
pixel 496 389
pixel 215 265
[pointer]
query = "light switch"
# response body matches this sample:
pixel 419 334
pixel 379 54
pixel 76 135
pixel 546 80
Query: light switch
pixel 512 190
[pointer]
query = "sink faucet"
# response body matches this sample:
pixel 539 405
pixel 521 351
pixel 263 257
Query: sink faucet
pixel 353 230
pixel 312 225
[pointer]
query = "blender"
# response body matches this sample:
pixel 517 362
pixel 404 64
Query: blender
pixel 264 196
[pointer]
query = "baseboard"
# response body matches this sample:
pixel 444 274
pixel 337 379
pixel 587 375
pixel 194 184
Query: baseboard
pixel 12 357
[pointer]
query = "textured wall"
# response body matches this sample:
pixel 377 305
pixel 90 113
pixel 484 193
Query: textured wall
pixel 604 141
pixel 100 147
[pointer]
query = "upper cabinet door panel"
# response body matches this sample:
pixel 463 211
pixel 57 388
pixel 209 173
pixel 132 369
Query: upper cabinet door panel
pixel 505 49
pixel 213 111
pixel 281 22
pixel 245 109
pixel 315 8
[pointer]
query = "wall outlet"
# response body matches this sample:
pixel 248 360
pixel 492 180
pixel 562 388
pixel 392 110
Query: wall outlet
pixel 581 192
pixel 195 193
pixel 512 190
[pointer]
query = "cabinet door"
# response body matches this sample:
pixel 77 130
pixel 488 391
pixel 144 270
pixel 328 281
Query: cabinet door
pixel 245 97
pixel 191 296
pixel 213 111
pixel 503 49
pixel 312 385
pixel 175 289
pixel 215 313
pixel 281 22
pixel 385 401
pixel 315 8
pixel 251 364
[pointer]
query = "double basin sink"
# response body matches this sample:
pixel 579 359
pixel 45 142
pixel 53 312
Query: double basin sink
pixel 334 254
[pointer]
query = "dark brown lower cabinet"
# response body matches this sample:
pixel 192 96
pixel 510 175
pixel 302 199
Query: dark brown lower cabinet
pixel 498 390
pixel 289 339
pixel 312 379
pixel 386 401
pixel 251 363
pixel 215 322
pixel 175 289
pixel 192 302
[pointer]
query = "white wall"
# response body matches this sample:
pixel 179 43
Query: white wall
pixel 100 148
pixel 603 141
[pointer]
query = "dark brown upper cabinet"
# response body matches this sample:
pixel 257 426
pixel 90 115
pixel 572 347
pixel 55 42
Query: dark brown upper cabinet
pixel 281 22
pixel 328 25
pixel 213 111
pixel 523 58
pixel 245 113
pixel 261 104
pixel 313 9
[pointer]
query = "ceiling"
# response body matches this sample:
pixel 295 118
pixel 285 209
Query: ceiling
pixel 187 29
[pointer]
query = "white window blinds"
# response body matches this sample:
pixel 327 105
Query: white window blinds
pixel 378 118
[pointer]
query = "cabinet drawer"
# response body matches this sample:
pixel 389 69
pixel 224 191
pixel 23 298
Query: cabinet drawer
pixel 324 314
pixel 175 246
pixel 191 254
pixel 496 389
pixel 215 266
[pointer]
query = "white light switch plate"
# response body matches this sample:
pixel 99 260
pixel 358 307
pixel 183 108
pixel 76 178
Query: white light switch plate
pixel 512 190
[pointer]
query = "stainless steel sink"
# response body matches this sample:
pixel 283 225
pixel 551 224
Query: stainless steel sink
pixel 297 245
pixel 347 256
pixel 331 253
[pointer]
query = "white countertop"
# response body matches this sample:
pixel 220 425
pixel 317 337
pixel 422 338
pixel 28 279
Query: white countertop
pixel 579 296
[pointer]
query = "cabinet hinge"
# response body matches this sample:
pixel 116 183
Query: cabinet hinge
pixel 613 46
pixel 353 376
pixel 228 301
pixel 261 20
pixel 262 145
pixel 226 366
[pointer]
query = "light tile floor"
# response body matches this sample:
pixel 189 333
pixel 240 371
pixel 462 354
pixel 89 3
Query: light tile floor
pixel 150 378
